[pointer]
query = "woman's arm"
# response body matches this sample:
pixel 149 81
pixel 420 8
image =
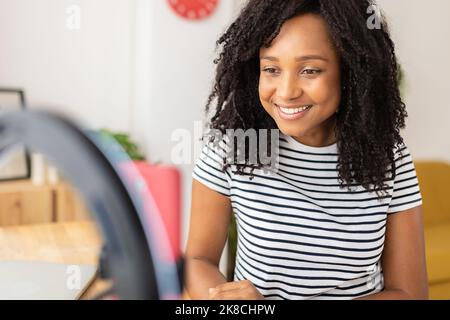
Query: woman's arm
pixel 208 231
pixel 403 260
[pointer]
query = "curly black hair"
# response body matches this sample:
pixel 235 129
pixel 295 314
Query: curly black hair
pixel 371 112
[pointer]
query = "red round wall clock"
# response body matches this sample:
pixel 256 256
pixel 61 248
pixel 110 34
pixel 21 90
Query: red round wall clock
pixel 193 9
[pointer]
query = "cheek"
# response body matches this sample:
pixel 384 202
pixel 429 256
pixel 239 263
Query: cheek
pixel 325 91
pixel 265 91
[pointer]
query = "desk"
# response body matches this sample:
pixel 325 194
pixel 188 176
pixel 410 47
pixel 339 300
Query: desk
pixel 76 242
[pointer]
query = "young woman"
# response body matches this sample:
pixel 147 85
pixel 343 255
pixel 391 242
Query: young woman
pixel 341 216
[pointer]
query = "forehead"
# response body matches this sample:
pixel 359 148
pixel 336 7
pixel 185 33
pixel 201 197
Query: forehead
pixel 307 33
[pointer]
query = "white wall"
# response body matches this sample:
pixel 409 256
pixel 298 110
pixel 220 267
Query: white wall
pixel 84 73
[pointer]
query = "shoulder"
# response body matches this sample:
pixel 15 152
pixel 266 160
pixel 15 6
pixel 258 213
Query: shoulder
pixel 401 150
pixel 403 156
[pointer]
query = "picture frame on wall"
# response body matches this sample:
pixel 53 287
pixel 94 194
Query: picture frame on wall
pixel 16 164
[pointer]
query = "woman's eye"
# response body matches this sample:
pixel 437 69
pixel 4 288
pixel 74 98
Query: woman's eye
pixel 311 71
pixel 270 70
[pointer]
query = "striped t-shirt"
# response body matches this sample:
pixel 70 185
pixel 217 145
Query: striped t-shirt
pixel 301 236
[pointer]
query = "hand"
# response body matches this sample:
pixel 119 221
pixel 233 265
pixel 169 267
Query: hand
pixel 237 290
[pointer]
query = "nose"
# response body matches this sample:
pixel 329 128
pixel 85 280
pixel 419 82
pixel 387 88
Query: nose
pixel 289 88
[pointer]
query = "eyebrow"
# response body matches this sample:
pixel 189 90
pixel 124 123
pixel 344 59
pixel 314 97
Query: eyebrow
pixel 300 58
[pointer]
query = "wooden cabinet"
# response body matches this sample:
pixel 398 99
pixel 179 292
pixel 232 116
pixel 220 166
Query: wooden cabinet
pixel 23 203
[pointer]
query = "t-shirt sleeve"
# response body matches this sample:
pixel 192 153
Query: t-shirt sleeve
pixel 209 168
pixel 406 193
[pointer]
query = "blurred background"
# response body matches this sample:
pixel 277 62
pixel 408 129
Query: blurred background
pixel 142 70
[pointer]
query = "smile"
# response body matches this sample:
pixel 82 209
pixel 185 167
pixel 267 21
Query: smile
pixel 292 113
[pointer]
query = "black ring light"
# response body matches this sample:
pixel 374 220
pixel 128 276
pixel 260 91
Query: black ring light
pixel 137 255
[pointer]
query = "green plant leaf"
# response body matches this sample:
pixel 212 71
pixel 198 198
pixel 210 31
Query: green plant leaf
pixel 130 147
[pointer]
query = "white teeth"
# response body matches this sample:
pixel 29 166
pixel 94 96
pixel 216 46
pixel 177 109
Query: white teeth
pixel 294 110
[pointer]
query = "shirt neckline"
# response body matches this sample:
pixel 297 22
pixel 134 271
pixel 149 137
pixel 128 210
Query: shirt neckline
pixel 303 147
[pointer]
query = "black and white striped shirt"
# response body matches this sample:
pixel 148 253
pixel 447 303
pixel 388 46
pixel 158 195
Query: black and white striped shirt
pixel 300 236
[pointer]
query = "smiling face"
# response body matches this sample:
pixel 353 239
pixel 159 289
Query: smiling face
pixel 299 82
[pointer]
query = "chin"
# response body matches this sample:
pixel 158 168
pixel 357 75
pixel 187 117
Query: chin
pixel 292 131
